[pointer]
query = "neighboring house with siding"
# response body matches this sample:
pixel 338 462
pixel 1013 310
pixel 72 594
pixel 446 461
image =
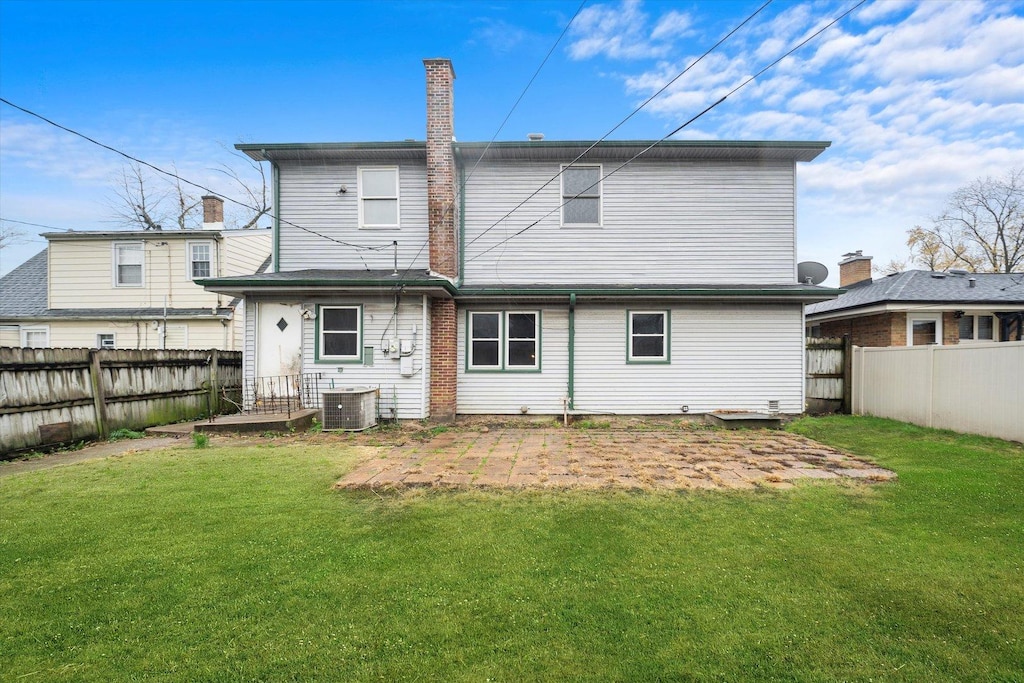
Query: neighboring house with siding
pixel 131 290
pixel 533 277
pixel 920 307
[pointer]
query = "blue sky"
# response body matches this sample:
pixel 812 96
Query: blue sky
pixel 917 98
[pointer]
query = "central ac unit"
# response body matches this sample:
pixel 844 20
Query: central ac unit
pixel 353 409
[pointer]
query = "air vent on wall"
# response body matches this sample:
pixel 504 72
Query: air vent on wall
pixel 353 409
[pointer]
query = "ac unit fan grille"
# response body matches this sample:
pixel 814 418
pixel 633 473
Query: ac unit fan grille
pixel 351 410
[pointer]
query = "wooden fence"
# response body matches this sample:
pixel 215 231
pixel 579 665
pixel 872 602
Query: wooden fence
pixel 53 396
pixel 974 388
pixel 828 372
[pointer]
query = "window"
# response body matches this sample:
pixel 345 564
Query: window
pixel 581 195
pixel 35 337
pixel 648 337
pixel 507 340
pixel 976 328
pixel 199 264
pixel 340 333
pixel 923 330
pixel 378 197
pixel 105 341
pixel 128 257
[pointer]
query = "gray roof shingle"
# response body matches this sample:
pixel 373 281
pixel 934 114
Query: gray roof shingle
pixel 923 286
pixel 23 290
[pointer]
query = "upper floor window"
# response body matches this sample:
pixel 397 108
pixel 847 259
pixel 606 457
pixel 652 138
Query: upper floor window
pixel 581 195
pixel 378 197
pixel 199 260
pixel 339 335
pixel 508 340
pixel 128 260
pixel 648 337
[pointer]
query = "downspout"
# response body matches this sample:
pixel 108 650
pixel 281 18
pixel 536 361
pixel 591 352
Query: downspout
pixel 275 181
pixel 461 188
pixel 571 390
pixel 424 391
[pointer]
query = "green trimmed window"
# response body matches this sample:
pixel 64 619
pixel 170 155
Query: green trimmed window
pixel 503 340
pixel 648 337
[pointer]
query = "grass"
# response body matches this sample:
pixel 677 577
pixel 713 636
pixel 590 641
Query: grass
pixel 242 564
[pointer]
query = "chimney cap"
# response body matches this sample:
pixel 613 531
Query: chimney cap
pixel 854 256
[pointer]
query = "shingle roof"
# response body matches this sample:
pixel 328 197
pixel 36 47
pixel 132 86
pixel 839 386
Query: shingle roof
pixel 23 290
pixel 923 286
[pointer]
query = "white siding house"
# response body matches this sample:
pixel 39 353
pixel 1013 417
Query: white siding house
pixel 534 277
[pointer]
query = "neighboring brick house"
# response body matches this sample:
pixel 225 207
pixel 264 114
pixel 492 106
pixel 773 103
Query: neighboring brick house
pixel 920 307
pixel 131 289
pixel 533 276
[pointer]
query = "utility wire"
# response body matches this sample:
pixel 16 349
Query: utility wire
pixel 199 186
pixel 652 145
pixel 623 121
pixel 34 225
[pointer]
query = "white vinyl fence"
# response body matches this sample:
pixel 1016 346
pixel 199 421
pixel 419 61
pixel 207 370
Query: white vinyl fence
pixel 974 388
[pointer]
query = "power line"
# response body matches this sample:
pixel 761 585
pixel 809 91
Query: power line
pixel 34 225
pixel 199 186
pixel 652 145
pixel 623 121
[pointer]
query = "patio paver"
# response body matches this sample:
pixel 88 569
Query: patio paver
pixel 568 458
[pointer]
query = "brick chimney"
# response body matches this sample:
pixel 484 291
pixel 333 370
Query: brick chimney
pixel 854 268
pixel 441 221
pixel 213 213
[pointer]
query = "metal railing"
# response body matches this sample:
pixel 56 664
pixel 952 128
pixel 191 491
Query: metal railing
pixel 281 393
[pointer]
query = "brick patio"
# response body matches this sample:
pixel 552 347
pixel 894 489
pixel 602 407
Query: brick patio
pixel 570 458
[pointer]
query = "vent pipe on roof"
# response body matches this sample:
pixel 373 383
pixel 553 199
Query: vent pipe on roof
pixel 971 281
pixel 535 137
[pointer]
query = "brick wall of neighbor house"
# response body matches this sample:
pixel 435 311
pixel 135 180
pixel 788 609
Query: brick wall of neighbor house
pixel 443 246
pixel 883 329
pixel 443 360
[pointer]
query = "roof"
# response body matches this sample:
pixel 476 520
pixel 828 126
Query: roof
pixel 621 150
pixel 923 286
pixel 312 279
pixel 23 290
pixel 151 313
pixel 135 234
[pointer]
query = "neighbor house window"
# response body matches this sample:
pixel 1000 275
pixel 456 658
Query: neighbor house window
pixel 581 195
pixel 923 330
pixel 378 197
pixel 199 263
pixel 105 341
pixel 128 259
pixel 35 337
pixel 505 340
pixel 977 328
pixel 648 336
pixel 340 333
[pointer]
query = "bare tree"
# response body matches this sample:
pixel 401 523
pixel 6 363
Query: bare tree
pixel 255 197
pixel 10 235
pixel 982 228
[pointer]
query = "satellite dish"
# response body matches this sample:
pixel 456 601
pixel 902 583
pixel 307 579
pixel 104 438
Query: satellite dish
pixel 811 273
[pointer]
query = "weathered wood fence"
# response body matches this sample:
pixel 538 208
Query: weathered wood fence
pixel 52 396
pixel 828 373
pixel 976 388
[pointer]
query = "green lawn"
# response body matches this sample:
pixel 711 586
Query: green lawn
pixel 242 564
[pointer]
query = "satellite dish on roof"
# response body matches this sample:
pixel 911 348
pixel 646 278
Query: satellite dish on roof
pixel 811 272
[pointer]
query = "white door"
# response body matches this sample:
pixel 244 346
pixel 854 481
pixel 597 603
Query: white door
pixel 278 340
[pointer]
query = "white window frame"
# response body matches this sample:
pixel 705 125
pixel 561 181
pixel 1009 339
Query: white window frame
pixel 503 340
pixel 101 345
pixel 565 199
pixel 34 329
pixel 190 258
pixel 976 315
pixel 666 335
pixel 116 261
pixel 363 197
pixel 322 355
pixel 924 317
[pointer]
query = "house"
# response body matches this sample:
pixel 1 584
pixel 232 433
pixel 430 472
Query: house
pixel 131 290
pixel 920 307
pixel 533 277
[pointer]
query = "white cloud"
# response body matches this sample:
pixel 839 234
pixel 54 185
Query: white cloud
pixel 623 32
pixel 673 25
